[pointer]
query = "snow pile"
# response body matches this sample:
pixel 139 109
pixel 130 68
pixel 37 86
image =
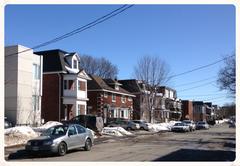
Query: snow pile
pixel 156 127
pixel 115 131
pixel 47 126
pixel 18 135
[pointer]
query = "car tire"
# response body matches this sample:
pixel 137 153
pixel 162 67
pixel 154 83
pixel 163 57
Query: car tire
pixel 62 149
pixel 142 128
pixel 88 145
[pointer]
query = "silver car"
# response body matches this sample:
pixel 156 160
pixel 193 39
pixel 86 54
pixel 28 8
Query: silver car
pixel 143 124
pixel 61 138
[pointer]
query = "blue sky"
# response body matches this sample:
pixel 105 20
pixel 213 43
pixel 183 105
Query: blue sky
pixel 184 36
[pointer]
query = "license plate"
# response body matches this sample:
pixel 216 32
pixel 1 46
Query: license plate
pixel 35 148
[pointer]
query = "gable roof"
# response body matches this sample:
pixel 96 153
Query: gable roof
pixel 98 83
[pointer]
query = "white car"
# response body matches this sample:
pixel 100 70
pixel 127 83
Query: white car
pixel 202 125
pixel 191 124
pixel 180 126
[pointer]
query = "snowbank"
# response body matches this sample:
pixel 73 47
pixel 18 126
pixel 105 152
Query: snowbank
pixel 47 126
pixel 156 127
pixel 18 135
pixel 115 131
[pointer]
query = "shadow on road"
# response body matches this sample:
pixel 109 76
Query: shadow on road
pixel 198 155
pixel 23 154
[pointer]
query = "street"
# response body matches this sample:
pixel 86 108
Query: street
pixel 215 144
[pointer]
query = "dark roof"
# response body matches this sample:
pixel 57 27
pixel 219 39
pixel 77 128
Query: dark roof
pixel 100 83
pixel 53 60
pixel 131 85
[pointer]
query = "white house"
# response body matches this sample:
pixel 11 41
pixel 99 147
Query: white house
pixel 23 85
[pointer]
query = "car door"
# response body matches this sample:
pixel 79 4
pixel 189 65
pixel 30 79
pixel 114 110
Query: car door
pixel 81 135
pixel 72 137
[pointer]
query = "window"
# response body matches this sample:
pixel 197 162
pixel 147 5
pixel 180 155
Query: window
pixel 80 129
pixel 79 85
pixel 122 113
pixel 65 84
pixel 129 98
pixel 105 94
pixel 36 71
pixel 72 130
pixel 113 97
pixel 116 87
pixel 35 100
pixel 75 64
pixel 123 99
pixel 71 84
pixel 78 109
pixel 82 85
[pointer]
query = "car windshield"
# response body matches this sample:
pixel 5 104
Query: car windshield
pixel 201 122
pixel 56 131
pixel 187 121
pixel 179 124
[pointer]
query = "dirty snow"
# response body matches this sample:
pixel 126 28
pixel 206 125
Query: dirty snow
pixel 115 131
pixel 18 135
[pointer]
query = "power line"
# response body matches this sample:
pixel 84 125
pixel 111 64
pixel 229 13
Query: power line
pixel 199 68
pixel 189 83
pixel 196 86
pixel 215 98
pixel 80 29
pixel 200 95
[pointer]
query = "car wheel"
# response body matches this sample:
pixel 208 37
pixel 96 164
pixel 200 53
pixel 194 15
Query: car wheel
pixel 62 149
pixel 142 128
pixel 88 145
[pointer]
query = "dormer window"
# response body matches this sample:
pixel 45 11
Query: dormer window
pixel 117 87
pixel 75 62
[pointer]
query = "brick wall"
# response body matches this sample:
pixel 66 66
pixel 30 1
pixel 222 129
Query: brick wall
pixel 50 97
pixel 187 110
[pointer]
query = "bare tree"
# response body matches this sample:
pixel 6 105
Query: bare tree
pixel 227 75
pixel 98 66
pixel 154 72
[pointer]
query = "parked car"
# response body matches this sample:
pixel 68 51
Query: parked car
pixel 61 138
pixel 202 125
pixel 191 124
pixel 180 126
pixel 89 121
pixel 126 124
pixel 7 123
pixel 143 124
pixel 232 125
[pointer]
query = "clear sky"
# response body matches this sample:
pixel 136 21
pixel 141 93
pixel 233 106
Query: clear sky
pixel 184 36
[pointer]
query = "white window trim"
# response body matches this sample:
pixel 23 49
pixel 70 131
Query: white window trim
pixel 123 99
pixel 114 100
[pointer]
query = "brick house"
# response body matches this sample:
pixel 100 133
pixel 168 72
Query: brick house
pixel 64 86
pixel 187 110
pixel 199 111
pixel 108 99
pixel 137 88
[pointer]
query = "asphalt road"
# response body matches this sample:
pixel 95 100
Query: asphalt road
pixel 215 144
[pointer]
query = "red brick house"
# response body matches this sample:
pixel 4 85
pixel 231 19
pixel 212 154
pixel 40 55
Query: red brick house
pixel 108 99
pixel 64 86
pixel 187 110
